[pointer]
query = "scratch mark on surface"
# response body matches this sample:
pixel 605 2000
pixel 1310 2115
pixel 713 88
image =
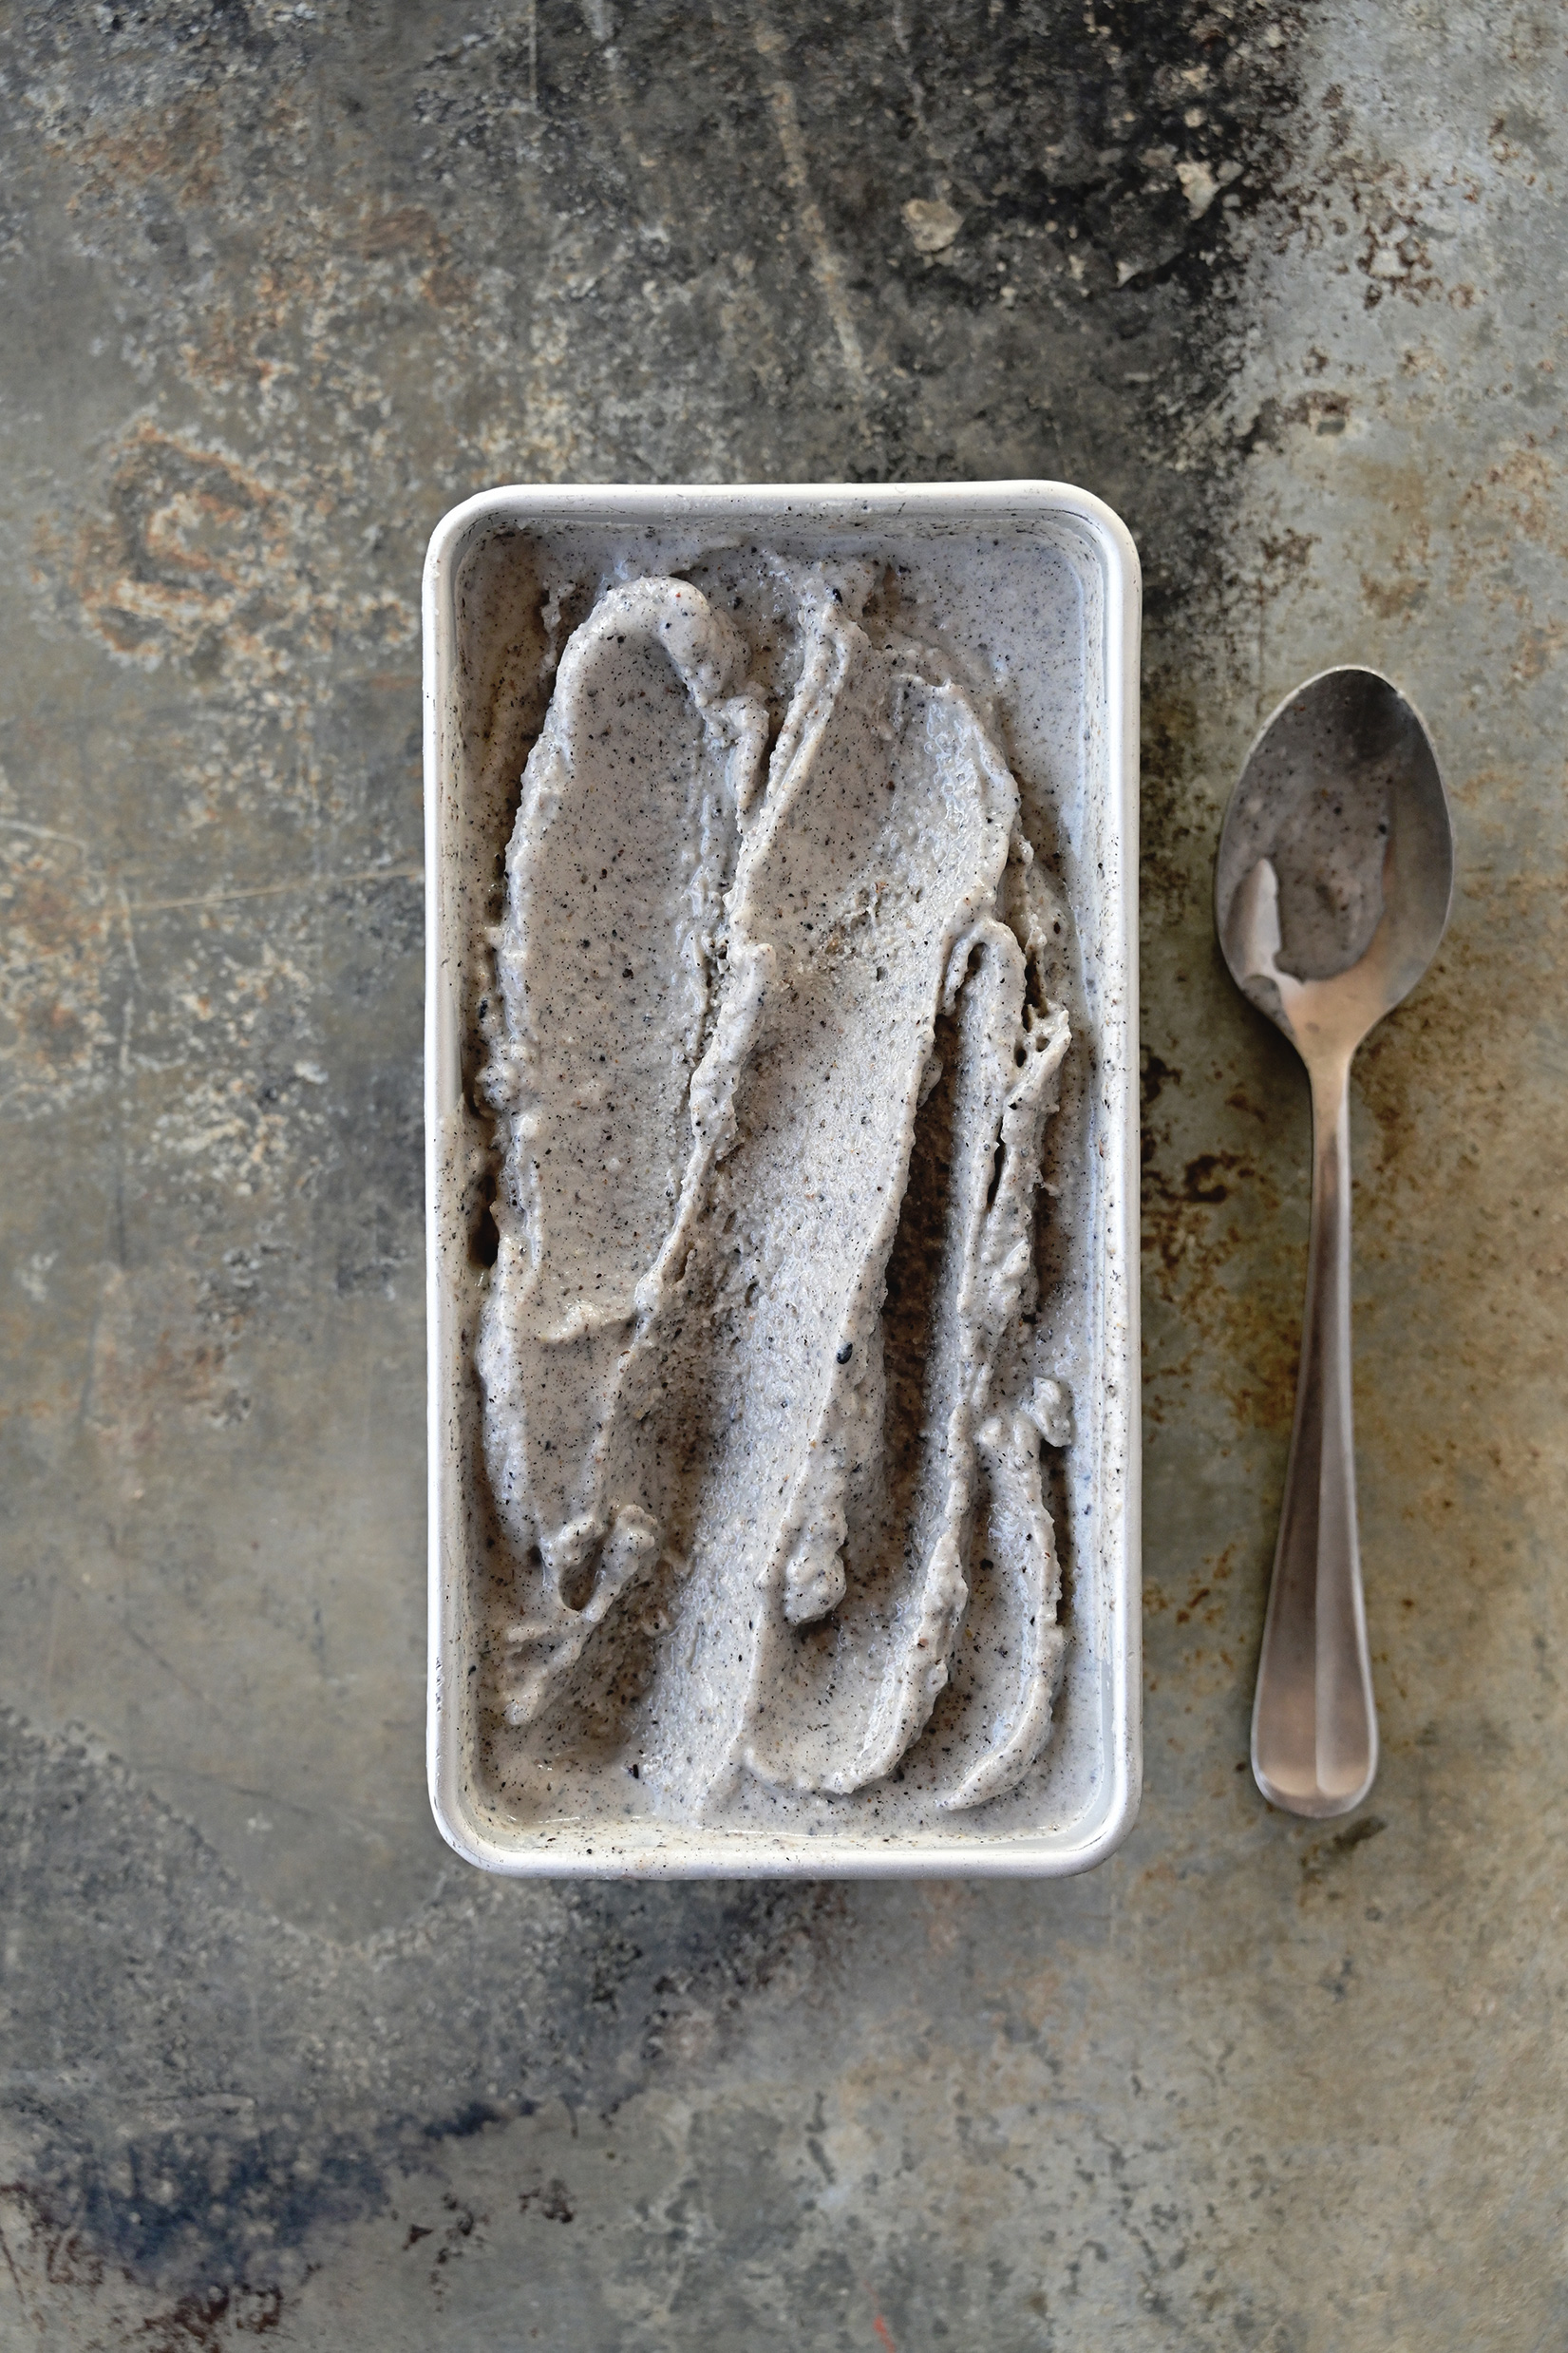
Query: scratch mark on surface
pixel 48 1661
pixel 272 890
pixel 44 833
pixel 170 1670
pixel 10 2266
pixel 126 910
pixel 826 266
pixel 23 1849
pixel 171 1767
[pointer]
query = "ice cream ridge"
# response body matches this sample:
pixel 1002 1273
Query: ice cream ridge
pixel 770 1052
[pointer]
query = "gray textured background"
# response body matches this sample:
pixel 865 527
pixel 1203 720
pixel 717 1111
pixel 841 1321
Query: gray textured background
pixel 281 284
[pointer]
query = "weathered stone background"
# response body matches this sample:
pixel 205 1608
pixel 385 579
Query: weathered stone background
pixel 279 284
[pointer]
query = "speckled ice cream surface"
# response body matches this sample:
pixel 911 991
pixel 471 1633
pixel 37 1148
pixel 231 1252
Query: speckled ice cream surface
pixel 774 1187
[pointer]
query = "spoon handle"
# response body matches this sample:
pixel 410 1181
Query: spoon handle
pixel 1315 1722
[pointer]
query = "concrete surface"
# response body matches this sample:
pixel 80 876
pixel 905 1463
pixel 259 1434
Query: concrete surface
pixel 281 284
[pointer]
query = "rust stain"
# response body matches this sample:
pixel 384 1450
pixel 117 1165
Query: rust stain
pixel 58 934
pixel 1536 652
pixel 181 148
pixel 155 1354
pixel 409 234
pixel 1170 821
pixel 1394 600
pixel 1196 1220
pixel 45 2255
pixel 406 232
pixel 187 556
pixel 944 1902
pixel 1524 483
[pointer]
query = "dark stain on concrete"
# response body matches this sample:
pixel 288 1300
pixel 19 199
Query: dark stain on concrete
pixel 241 2084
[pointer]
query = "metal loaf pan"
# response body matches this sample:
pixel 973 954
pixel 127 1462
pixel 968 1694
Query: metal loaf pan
pixel 1048 577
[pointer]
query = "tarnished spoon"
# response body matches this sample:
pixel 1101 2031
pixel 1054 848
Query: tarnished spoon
pixel 1332 891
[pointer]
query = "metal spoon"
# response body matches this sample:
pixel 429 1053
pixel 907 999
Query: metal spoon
pixel 1332 891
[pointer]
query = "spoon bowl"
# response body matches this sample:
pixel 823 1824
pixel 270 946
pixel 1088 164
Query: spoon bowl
pixel 1331 893
pixel 1341 801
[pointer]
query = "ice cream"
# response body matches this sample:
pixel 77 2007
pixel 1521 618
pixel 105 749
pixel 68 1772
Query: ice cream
pixel 775 1031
